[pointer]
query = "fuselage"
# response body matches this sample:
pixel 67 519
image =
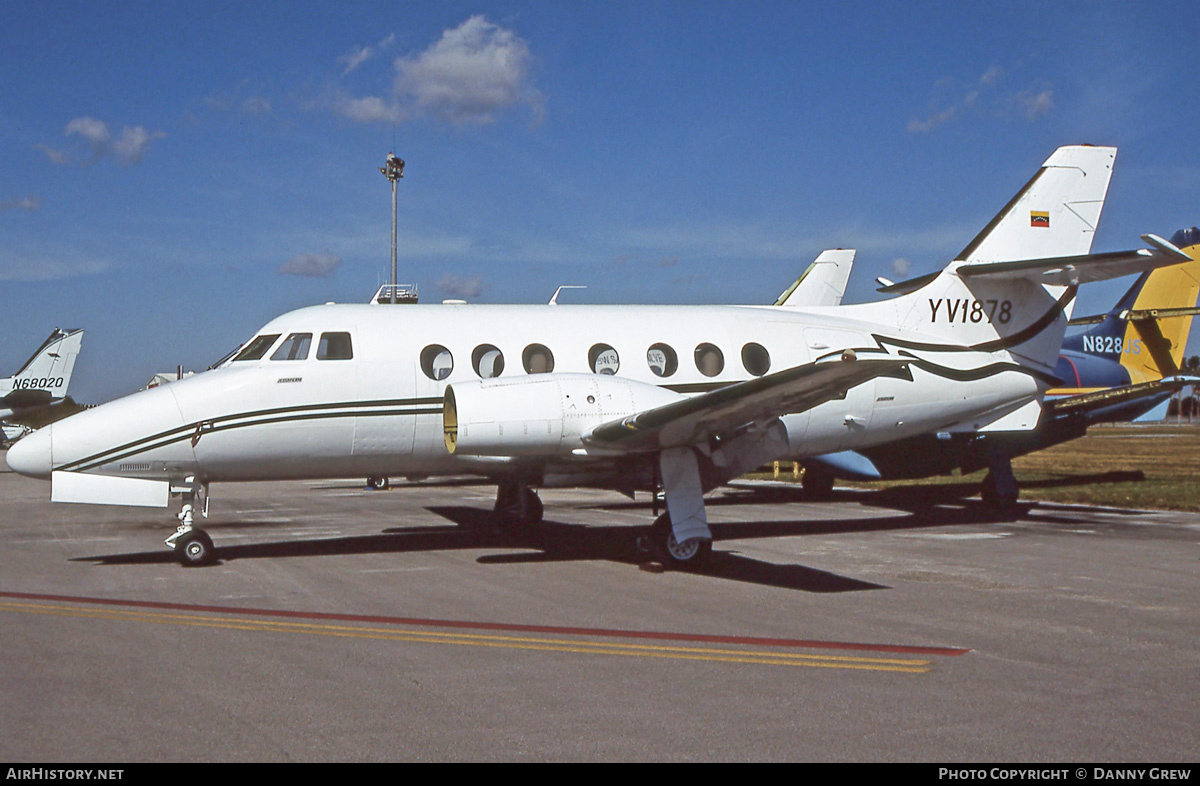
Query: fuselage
pixel 357 390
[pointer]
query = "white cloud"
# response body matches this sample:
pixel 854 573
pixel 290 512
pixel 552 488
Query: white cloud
pixel 57 156
pixel 930 123
pixel 1031 103
pixel 470 74
pixel 15 267
pixel 362 54
pixel 991 76
pixel 133 143
pixel 129 146
pixel 901 267
pixel 91 129
pixel 368 110
pixel 27 203
pixel 1034 105
pixel 321 265
pixel 459 286
pixel 467 77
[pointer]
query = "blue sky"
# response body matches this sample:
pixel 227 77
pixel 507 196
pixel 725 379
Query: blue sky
pixel 175 174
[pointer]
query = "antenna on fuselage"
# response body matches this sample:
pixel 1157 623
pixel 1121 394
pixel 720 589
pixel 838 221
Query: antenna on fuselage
pixel 554 300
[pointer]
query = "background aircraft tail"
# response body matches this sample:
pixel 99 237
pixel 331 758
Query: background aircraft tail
pixel 45 376
pixel 1147 331
pixel 823 283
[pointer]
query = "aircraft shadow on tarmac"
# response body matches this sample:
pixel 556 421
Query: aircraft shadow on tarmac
pixel 920 506
pixel 474 528
pixel 915 498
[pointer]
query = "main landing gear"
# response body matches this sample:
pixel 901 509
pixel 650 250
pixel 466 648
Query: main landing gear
pixel 192 544
pixel 691 554
pixel 999 489
pixel 817 483
pixel 517 504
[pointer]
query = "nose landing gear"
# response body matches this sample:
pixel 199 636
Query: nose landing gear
pixel 192 544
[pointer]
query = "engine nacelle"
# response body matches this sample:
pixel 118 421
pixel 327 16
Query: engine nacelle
pixel 541 414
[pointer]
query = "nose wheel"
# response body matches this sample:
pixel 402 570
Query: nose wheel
pixel 192 545
pixel 195 549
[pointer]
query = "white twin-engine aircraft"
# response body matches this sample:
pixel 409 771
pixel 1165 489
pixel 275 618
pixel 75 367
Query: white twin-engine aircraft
pixel 677 398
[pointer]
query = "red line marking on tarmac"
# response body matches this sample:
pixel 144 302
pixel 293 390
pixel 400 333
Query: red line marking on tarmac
pixel 498 626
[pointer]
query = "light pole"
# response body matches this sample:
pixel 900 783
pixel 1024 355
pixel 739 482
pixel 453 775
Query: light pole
pixel 393 170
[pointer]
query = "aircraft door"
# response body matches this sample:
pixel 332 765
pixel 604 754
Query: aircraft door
pixel 310 378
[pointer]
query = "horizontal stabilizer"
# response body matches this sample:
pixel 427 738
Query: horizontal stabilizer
pixel 1083 269
pixel 1139 315
pixel 904 287
pixel 699 418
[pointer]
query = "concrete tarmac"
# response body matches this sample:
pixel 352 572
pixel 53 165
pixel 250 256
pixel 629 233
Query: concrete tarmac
pixel 342 624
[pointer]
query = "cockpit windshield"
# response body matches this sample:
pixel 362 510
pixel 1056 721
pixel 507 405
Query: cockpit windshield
pixel 257 348
pixel 294 347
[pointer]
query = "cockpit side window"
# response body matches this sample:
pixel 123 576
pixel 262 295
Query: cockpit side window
pixel 294 347
pixel 257 348
pixel 335 346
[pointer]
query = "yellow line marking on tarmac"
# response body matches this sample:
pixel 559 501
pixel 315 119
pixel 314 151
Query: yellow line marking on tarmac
pixel 481 640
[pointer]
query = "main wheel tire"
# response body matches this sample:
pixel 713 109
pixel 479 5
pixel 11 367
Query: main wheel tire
pixel 509 500
pixel 378 483
pixel 691 554
pixel 817 483
pixel 990 493
pixel 196 549
pixel 534 510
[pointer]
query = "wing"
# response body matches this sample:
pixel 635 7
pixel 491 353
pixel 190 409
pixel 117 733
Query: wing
pixel 699 418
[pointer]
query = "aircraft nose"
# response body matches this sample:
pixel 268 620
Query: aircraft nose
pixel 32 455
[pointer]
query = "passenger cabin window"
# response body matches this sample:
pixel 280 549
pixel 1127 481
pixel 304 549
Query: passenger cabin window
pixel 662 360
pixel 257 348
pixel 335 346
pixel 294 347
pixel 756 359
pixel 488 361
pixel 709 360
pixel 537 359
pixel 436 362
pixel 603 359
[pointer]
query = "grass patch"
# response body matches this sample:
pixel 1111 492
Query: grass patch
pixel 1154 467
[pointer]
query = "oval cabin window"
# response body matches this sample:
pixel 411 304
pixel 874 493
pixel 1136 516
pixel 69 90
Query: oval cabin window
pixel 756 359
pixel 603 359
pixel 709 360
pixel 537 359
pixel 436 362
pixel 662 360
pixel 488 361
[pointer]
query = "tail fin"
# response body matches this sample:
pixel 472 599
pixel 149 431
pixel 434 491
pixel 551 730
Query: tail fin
pixel 1007 289
pixel 1148 328
pixel 1054 215
pixel 45 376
